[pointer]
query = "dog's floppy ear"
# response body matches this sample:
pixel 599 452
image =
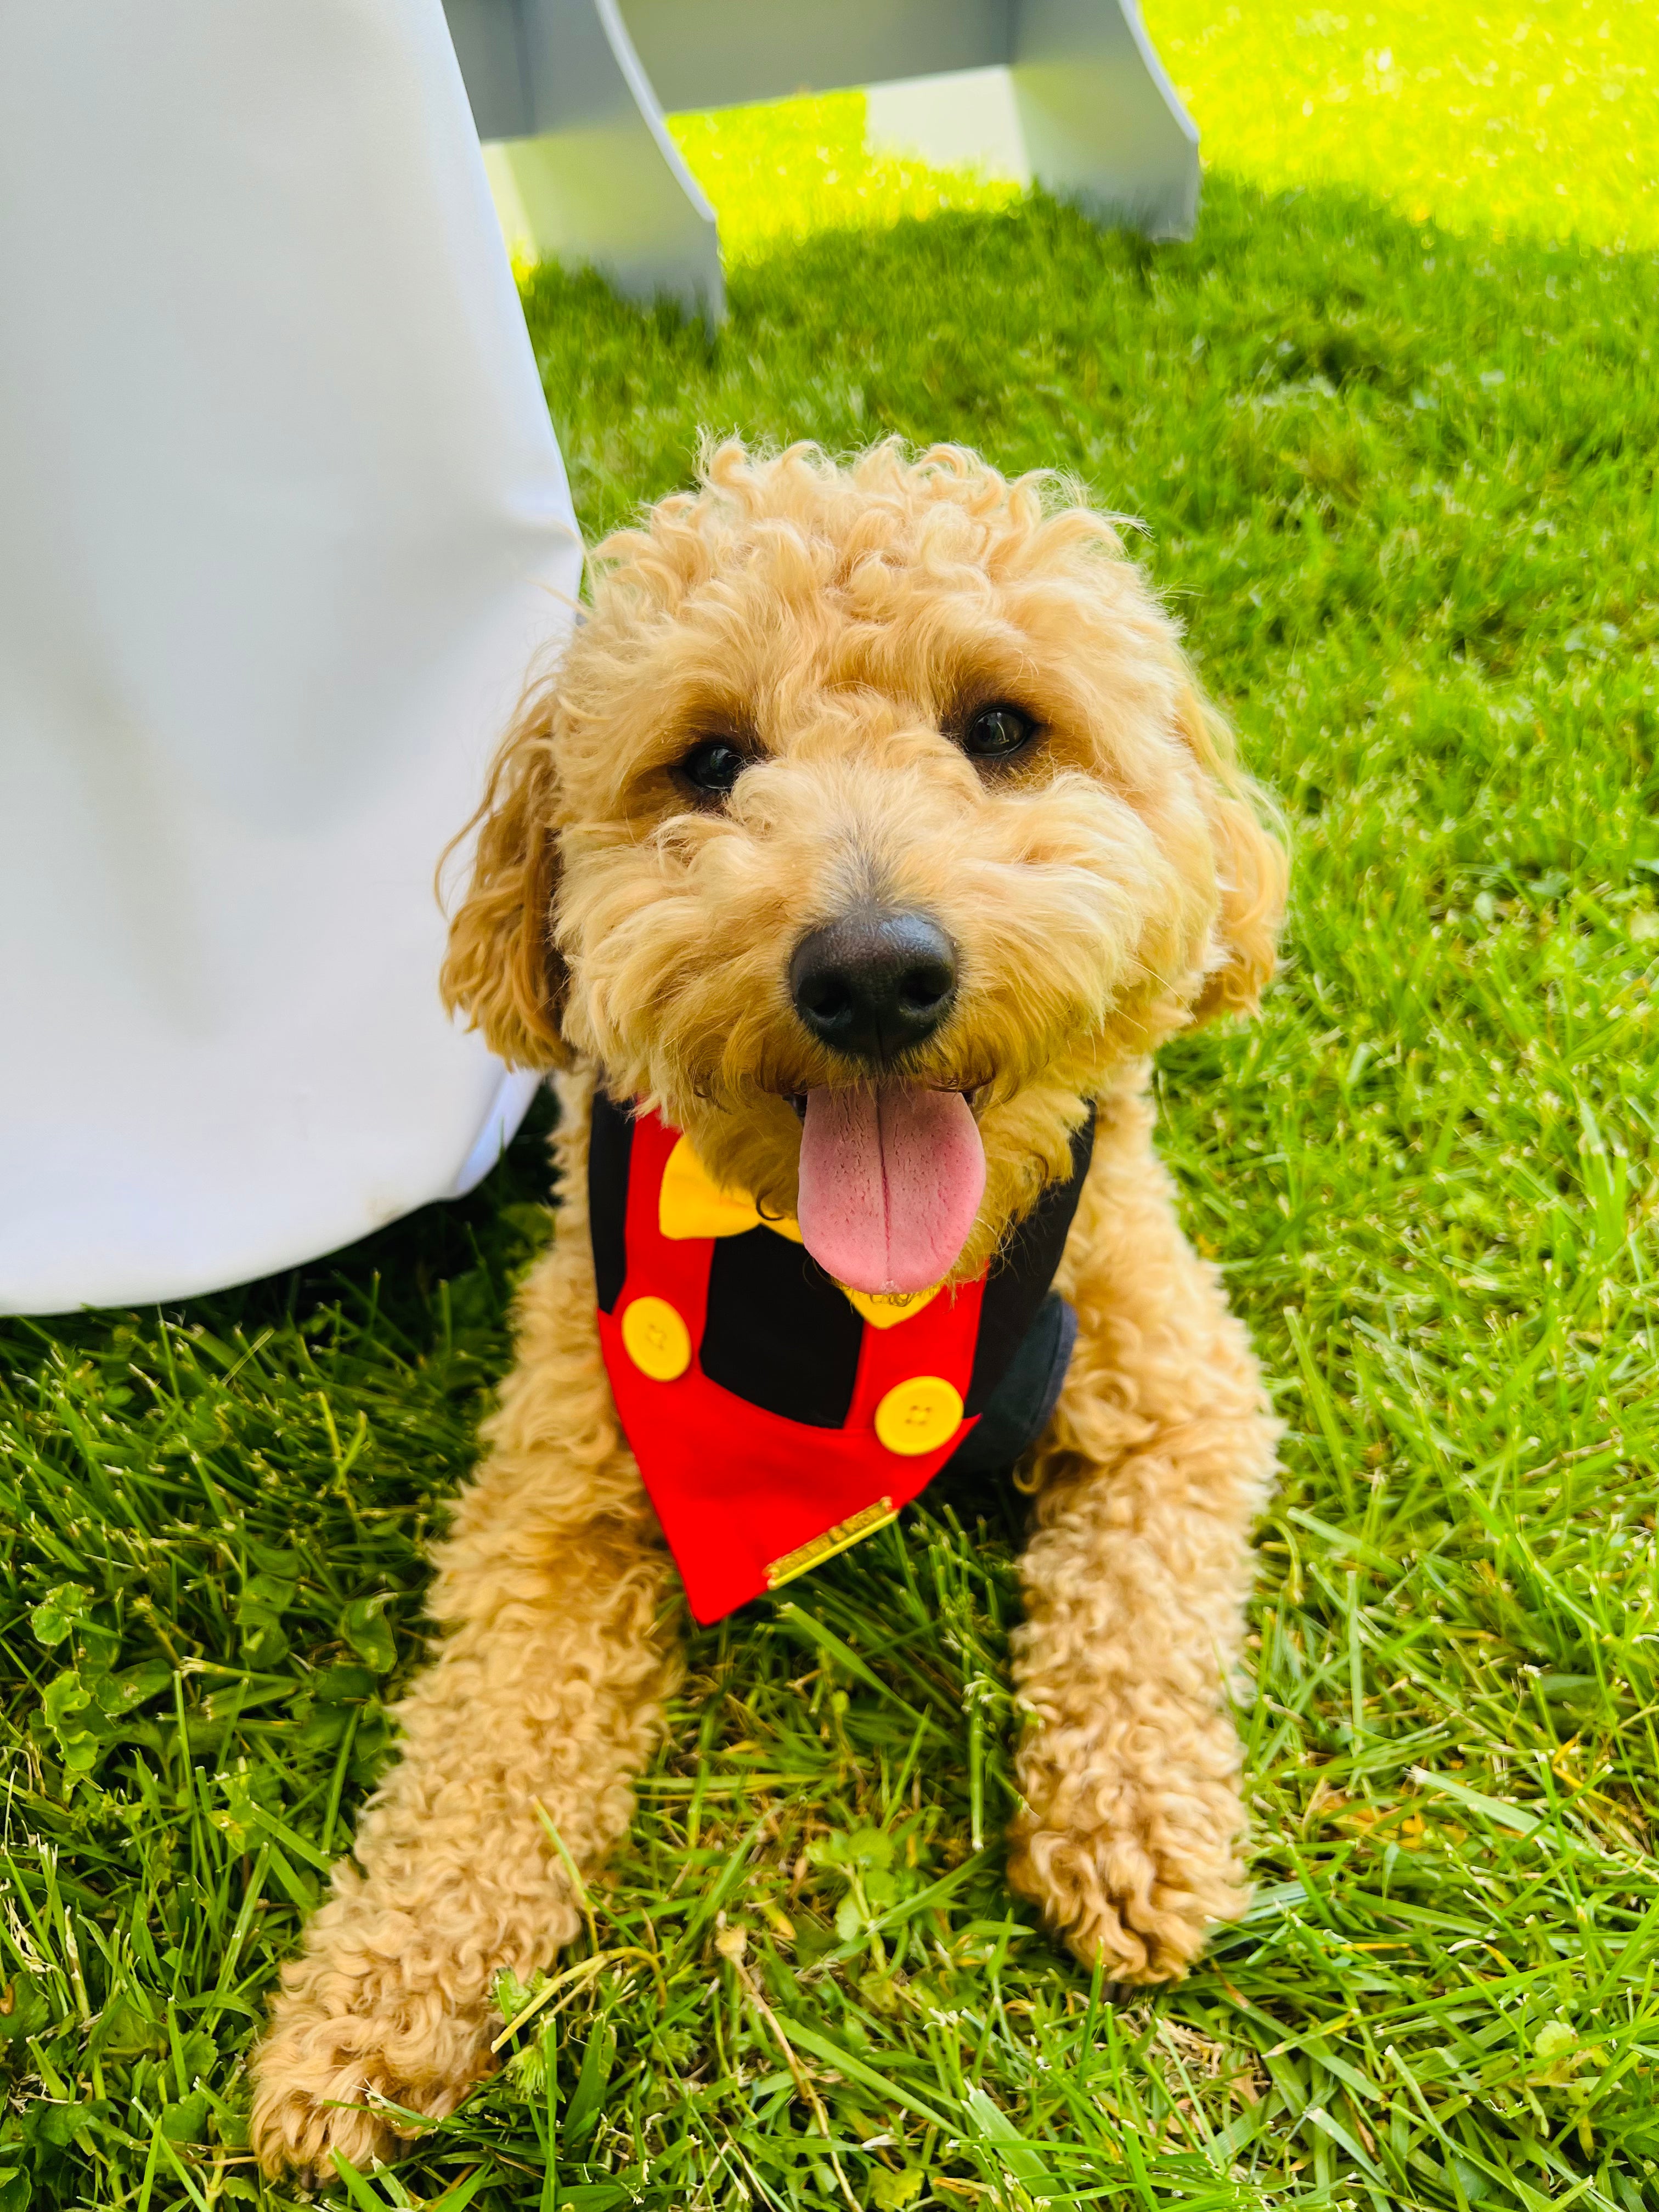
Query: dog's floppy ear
pixel 502 968
pixel 1250 862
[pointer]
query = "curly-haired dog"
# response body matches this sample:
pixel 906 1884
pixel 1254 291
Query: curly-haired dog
pixel 938 721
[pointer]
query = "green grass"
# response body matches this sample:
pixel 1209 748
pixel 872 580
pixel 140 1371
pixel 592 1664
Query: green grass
pixel 1539 119
pixel 1399 481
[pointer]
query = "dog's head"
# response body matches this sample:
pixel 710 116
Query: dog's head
pixel 870 822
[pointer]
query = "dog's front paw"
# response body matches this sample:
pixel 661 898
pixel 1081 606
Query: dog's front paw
pixel 1138 1890
pixel 322 2081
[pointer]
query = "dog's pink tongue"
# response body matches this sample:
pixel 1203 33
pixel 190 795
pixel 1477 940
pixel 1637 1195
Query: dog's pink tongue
pixel 890 1182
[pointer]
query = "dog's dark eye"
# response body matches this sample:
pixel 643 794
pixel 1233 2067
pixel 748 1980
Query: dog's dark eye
pixel 996 733
pixel 712 768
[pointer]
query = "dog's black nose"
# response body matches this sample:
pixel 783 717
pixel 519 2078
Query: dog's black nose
pixel 873 984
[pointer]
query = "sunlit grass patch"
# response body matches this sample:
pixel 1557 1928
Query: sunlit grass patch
pixel 1536 116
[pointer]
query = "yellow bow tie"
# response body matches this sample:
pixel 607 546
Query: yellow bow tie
pixel 692 1204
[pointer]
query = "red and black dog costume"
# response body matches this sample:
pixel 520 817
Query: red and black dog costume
pixel 762 1457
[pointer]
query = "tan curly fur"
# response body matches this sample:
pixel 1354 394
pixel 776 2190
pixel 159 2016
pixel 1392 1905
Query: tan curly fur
pixel 1114 885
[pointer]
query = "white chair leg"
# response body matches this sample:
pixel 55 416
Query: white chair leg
pixel 1086 109
pixel 1103 125
pixel 580 160
pixel 959 119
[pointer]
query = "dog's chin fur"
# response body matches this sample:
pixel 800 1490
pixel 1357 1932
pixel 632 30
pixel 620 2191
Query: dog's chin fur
pixel 841 625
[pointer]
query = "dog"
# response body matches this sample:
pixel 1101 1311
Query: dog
pixel 867 840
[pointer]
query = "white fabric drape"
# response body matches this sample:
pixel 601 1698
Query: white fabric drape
pixel 282 523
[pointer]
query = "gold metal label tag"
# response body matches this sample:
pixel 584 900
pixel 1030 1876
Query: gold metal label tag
pixel 840 1538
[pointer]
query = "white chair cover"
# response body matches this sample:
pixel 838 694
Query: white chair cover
pixel 282 523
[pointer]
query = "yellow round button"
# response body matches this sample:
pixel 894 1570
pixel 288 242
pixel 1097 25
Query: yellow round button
pixel 918 1416
pixel 658 1342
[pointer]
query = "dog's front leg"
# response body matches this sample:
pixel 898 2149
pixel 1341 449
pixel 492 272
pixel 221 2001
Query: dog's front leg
pixel 544 1698
pixel 1158 1459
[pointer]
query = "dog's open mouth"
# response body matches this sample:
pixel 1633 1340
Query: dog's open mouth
pixel 890 1182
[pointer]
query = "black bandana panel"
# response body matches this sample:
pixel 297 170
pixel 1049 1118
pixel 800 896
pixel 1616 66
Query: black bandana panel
pixel 1023 1273
pixel 610 1150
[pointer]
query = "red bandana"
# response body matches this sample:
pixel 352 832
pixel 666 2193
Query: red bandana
pixel 774 1417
